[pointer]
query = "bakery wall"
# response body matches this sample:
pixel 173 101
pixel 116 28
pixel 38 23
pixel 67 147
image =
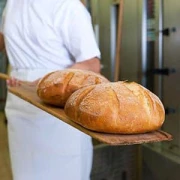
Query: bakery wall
pixel 3 65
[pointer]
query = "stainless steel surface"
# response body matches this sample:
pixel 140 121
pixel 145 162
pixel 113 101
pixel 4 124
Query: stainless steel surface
pixel 114 22
pixel 160 165
pixel 162 160
pixel 144 43
pixel 144 48
pixel 159 5
pixel 115 163
pixel 135 64
pixel 171 85
pixel 160 52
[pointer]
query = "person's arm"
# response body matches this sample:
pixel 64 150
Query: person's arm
pixel 90 64
pixel 79 38
pixel 2 46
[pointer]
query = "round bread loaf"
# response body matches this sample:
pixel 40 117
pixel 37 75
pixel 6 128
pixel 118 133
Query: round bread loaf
pixel 56 87
pixel 116 107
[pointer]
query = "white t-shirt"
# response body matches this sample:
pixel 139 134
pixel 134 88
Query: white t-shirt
pixel 48 33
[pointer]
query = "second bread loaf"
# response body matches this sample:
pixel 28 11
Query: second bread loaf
pixel 56 87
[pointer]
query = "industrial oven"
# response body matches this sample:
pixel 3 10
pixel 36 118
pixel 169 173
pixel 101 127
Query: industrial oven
pixel 150 56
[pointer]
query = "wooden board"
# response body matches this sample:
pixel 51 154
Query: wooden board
pixel 28 93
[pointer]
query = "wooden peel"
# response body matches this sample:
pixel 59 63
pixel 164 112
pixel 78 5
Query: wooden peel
pixel 6 77
pixel 28 93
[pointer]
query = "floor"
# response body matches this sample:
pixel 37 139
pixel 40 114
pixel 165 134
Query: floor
pixel 5 170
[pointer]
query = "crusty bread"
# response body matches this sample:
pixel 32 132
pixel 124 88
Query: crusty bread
pixel 55 87
pixel 116 107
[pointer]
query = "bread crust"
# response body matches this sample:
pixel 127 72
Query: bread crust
pixel 116 107
pixel 56 87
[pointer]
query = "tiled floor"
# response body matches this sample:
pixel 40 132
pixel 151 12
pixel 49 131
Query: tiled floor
pixel 5 171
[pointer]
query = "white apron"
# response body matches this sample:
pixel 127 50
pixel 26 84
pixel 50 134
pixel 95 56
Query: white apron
pixel 41 146
pixel 46 34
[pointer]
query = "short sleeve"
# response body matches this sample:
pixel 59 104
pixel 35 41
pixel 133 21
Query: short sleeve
pixel 80 38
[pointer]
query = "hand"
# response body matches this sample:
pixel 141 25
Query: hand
pixel 13 82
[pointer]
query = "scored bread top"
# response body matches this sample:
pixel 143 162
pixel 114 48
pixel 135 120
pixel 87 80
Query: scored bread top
pixel 55 87
pixel 119 107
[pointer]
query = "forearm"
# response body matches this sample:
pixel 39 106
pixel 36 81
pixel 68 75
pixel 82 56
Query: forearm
pixel 91 65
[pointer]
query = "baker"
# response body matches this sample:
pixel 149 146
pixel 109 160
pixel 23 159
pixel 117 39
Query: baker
pixel 40 37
